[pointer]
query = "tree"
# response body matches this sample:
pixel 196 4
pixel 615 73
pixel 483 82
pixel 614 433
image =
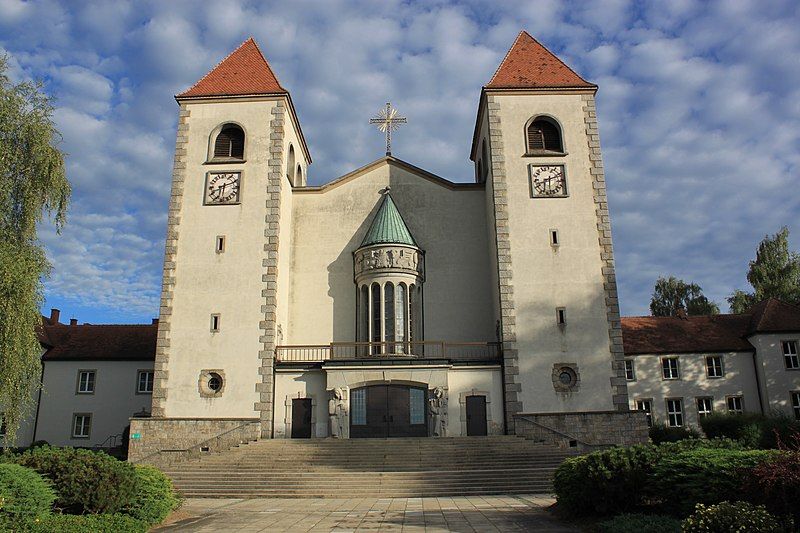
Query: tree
pixel 775 273
pixel 672 294
pixel 32 182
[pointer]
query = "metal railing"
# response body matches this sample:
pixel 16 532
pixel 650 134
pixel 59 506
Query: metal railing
pixel 346 351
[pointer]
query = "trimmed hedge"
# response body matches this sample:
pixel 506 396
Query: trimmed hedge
pixel 751 429
pixel 85 481
pixel 94 523
pixel 24 494
pixel 703 475
pixel 155 497
pixel 639 523
pixel 727 516
pixel 660 433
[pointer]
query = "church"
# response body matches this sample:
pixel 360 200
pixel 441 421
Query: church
pixel 392 302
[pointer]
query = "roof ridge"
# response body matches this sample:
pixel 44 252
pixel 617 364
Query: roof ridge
pixel 269 67
pixel 557 58
pixel 506 56
pixel 207 74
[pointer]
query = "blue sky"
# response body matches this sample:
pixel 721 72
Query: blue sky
pixel 699 109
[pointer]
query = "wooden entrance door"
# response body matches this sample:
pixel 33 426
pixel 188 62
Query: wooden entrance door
pixel 301 418
pixel 476 415
pixel 383 411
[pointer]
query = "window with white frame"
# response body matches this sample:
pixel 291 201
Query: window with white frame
pixel 81 425
pixel 714 366
pixel 630 373
pixel 145 382
pixel 705 406
pixel 86 379
pixel 796 404
pixel 646 406
pixel 669 368
pixel 675 412
pixel 735 404
pixel 790 357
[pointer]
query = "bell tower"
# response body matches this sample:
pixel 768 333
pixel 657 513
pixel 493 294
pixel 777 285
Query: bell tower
pixel 224 302
pixel 536 146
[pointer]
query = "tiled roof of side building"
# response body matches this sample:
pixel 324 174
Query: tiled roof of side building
pixel 773 315
pixel 528 64
pixel 244 72
pixel 89 342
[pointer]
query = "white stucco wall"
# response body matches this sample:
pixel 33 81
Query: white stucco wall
pixel 450 225
pixel 545 277
pixel 291 384
pixel 777 382
pixel 114 401
pixel 480 381
pixel 738 380
pixel 229 283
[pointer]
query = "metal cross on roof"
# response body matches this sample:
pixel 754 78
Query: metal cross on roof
pixel 388 120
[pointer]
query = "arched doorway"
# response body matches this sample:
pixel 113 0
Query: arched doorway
pixel 388 410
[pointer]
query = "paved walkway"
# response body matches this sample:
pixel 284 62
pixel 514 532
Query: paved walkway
pixel 461 514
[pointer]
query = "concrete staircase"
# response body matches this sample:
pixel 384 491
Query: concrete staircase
pixel 411 467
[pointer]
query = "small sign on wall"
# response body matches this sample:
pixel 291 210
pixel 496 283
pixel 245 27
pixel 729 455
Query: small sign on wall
pixel 136 436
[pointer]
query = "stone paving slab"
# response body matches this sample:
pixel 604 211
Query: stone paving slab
pixel 467 514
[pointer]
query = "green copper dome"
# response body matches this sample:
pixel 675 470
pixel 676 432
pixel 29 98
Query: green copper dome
pixel 388 226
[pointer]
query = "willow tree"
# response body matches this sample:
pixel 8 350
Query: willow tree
pixel 33 183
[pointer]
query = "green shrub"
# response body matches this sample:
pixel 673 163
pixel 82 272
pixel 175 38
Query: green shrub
pixel 663 433
pixel 90 523
pixel 24 493
pixel 155 497
pixel 85 481
pixel 605 482
pixel 694 444
pixel 639 523
pixel 751 429
pixel 704 475
pixel 778 429
pixel 726 516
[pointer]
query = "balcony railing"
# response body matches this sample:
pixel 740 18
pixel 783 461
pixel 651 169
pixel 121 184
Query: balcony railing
pixel 348 351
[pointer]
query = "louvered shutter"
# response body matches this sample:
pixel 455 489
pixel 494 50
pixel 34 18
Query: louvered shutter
pixel 229 143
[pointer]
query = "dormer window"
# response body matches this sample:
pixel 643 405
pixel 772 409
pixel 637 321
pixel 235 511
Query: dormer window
pixel 229 143
pixel 543 137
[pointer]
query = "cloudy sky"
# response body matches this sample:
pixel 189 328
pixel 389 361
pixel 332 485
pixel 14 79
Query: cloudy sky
pixel 699 110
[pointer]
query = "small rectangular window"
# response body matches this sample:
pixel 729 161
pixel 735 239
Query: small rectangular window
pixel 81 425
pixel 790 356
pixel 796 404
pixel 669 368
pixel 358 407
pixel 714 366
pixel 647 407
pixel 561 316
pixel 735 404
pixel 630 375
pixel 705 406
pixel 675 412
pixel 554 241
pixel 219 247
pixel 86 379
pixel 215 322
pixel 145 382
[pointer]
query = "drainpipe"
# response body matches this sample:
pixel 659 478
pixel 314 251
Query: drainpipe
pixel 758 381
pixel 38 405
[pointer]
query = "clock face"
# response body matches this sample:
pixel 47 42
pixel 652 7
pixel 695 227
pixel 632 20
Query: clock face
pixel 548 181
pixel 223 187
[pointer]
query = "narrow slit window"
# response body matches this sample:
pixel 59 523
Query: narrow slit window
pixel 561 316
pixel 215 322
pixel 630 374
pixel 554 240
pixel 219 245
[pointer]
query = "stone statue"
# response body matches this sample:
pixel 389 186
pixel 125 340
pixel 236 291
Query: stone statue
pixel 337 411
pixel 437 408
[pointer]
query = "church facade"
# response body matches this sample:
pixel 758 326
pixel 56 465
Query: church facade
pixel 366 305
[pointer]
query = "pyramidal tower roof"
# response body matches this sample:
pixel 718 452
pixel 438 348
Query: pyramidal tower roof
pixel 244 72
pixel 388 226
pixel 528 64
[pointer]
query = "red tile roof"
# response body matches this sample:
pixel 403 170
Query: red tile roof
pixel 716 333
pixel 528 64
pixel 124 342
pixel 244 72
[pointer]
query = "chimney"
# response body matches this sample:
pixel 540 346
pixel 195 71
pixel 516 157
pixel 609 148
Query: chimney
pixel 681 313
pixel 54 314
pixel 154 321
pixel 73 321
